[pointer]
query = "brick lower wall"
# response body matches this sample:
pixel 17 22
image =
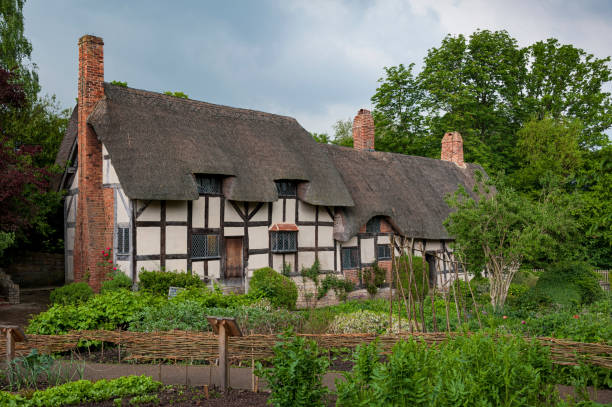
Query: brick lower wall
pixel 36 269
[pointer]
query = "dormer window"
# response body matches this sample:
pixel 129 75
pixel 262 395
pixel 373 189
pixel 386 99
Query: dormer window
pixel 286 189
pixel 373 225
pixel 208 184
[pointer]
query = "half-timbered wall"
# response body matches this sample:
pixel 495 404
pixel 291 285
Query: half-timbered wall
pixel 70 217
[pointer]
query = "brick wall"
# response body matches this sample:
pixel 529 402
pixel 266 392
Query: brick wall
pixel 36 269
pixel 452 148
pixel 94 225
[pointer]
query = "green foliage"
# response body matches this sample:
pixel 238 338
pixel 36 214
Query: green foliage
pixel 343 134
pixel 177 94
pixel 119 83
pixel 71 294
pixel 566 284
pixel 111 310
pixel 340 286
pixel 373 278
pixel 118 281
pixel 280 290
pixel 312 272
pixel 158 282
pixel 420 286
pixel 286 269
pixel 35 369
pixel 144 399
pixel 84 391
pixel 7 239
pixel 475 370
pixel 296 373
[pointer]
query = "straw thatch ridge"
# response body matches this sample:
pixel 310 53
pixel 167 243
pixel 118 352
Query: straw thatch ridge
pixel 157 142
pixel 409 190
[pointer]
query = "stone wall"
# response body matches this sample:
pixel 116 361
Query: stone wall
pixel 8 289
pixel 38 270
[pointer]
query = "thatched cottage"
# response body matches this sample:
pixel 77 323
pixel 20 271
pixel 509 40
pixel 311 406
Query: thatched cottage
pixel 187 185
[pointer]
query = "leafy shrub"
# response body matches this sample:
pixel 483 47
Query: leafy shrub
pixel 158 282
pixel 280 290
pixel 296 373
pixel 118 281
pixel 568 284
pixel 213 298
pixel 420 271
pixel 74 293
pixel 373 278
pixel 311 272
pixel 111 310
pixel 476 370
pixel 340 286
pixel 84 391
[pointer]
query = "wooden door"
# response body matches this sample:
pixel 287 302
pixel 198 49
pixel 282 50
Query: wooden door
pixel 233 257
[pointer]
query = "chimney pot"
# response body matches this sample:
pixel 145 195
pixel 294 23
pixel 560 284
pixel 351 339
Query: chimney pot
pixel 363 131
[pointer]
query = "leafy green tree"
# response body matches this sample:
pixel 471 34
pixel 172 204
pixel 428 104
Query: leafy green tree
pixel 496 230
pixel 322 138
pixel 398 114
pixel 343 134
pixel 177 94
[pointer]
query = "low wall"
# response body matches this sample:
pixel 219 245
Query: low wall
pixel 36 269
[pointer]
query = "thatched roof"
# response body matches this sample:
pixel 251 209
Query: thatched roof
pixel 65 149
pixel 409 190
pixel 158 142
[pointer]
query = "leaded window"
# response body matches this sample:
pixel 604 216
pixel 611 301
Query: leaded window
pixel 283 242
pixel 350 257
pixel 123 240
pixel 384 252
pixel 373 225
pixel 286 188
pixel 208 184
pixel 204 246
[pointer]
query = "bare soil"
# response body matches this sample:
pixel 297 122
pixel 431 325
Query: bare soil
pixel 33 301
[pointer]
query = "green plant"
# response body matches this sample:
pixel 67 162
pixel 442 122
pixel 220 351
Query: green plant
pixel 28 372
pixel 177 94
pixel 286 269
pixel 144 399
pixel 312 272
pixel 119 83
pixel 356 384
pixel 279 289
pixel 71 294
pixel 118 281
pixel 340 286
pixel 296 373
pixel 420 271
pixel 158 282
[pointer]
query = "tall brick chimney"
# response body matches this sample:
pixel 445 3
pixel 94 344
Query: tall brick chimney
pixel 363 131
pixel 452 148
pixel 94 225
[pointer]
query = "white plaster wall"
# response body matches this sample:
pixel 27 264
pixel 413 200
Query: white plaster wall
pixel 152 213
pixel 261 214
pixel 306 236
pixel 384 240
pixel 233 231
pixel 123 211
pixel 214 269
pixel 323 215
pixel 124 266
pixel 327 260
pixel 277 211
pixel 73 207
pixel 198 208
pixel 214 212
pixel 257 261
pixel 367 251
pixel 147 240
pixel 290 211
pixel 258 237
pixel 104 151
pixel 70 238
pixel 433 245
pixel 110 173
pixel 176 264
pixel 75 180
pixel 176 240
pixel 197 267
pixel 305 259
pixel 306 212
pixel 230 213
pixel 339 256
pixel 326 236
pixel 176 211
pixel 149 265
pixel 351 242
pixel 277 261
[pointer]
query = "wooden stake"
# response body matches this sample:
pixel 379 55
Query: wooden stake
pixel 223 371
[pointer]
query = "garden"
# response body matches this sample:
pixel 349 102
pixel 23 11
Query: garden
pixel 481 353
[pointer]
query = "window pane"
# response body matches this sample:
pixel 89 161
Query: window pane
pixel 284 241
pixel 123 240
pixel 286 188
pixel 350 257
pixel 204 246
pixel 208 184
pixel 384 251
pixel 373 225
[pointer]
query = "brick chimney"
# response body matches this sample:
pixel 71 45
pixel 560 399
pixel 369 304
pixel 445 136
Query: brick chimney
pixel 363 131
pixel 94 224
pixel 452 148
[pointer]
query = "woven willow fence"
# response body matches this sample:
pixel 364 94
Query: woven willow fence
pixel 189 346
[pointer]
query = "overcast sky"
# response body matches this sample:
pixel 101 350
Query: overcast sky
pixel 317 61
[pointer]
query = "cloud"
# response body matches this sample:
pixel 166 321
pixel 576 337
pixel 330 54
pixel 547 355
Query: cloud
pixel 317 61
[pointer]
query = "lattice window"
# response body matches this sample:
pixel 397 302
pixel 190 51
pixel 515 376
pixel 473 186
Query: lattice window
pixel 123 240
pixel 286 188
pixel 283 242
pixel 384 252
pixel 204 246
pixel 373 225
pixel 350 257
pixel 208 184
